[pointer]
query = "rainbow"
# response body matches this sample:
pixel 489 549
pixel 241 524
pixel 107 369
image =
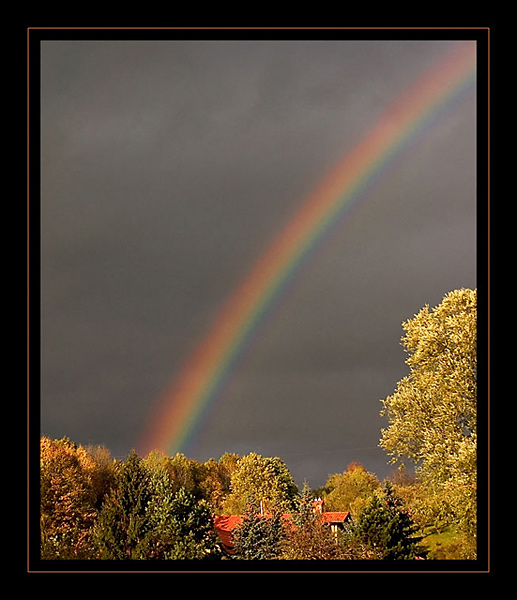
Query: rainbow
pixel 178 412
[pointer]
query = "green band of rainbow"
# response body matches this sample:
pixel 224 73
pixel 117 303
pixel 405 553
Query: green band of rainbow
pixel 178 412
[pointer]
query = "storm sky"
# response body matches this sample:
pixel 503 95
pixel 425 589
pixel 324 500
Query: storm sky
pixel 167 169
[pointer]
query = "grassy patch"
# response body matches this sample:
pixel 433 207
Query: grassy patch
pixel 449 545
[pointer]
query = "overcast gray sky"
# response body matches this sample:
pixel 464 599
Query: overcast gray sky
pixel 168 168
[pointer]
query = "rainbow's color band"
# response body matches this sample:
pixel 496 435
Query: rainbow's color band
pixel 178 413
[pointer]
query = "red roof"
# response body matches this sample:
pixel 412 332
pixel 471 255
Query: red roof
pixel 225 524
pixel 335 517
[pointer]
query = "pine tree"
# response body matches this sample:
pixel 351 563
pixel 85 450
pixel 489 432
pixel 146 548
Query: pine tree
pixel 193 530
pixel 123 527
pixel 386 527
pixel 144 517
pixel 259 536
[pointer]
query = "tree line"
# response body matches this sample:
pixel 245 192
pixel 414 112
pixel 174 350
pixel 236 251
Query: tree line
pixel 162 507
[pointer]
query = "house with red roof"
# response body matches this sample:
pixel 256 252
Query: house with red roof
pixel 226 524
pixel 336 520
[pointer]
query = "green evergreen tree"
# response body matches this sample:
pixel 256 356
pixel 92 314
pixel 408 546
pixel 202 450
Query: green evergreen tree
pixel 162 535
pixel 386 527
pixel 123 527
pixel 193 530
pixel 259 536
pixel 144 517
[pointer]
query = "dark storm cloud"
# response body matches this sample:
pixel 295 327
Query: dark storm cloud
pixel 168 168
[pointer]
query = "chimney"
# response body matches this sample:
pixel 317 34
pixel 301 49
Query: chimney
pixel 317 505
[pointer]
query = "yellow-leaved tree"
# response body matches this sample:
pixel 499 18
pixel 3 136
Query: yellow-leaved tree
pixel 258 480
pixel 73 481
pixel 351 490
pixel 432 415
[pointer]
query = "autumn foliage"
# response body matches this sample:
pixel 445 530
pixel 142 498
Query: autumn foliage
pixel 73 482
pixel 162 507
